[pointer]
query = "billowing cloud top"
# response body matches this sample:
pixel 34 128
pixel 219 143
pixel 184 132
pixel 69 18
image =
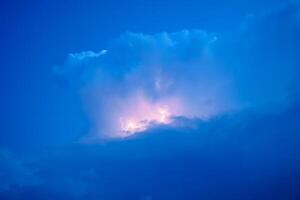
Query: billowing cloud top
pixel 141 79
pixel 159 82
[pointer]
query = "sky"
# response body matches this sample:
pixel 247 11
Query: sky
pixel 149 100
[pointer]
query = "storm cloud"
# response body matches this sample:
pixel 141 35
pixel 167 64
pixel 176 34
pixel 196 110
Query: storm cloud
pixel 139 73
pixel 245 156
pixel 190 73
pixel 234 101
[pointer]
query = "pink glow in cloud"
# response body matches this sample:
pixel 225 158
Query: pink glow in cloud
pixel 145 80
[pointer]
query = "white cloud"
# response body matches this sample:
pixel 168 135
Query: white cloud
pixel 139 74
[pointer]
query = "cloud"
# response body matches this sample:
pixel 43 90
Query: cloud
pixel 139 74
pixel 247 155
pixel 14 172
pixel 190 73
pixel 206 152
pixel 262 56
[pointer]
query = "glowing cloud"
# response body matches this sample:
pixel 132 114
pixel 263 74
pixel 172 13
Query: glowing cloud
pixel 144 114
pixel 144 80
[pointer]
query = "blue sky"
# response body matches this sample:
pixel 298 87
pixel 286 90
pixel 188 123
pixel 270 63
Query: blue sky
pixel 37 35
pixel 228 70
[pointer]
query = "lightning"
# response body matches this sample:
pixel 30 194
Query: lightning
pixel 157 115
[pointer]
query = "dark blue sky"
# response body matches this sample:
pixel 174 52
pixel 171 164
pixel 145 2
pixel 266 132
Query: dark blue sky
pixel 248 88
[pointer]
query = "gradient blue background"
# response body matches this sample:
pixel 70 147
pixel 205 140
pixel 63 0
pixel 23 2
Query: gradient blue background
pixel 41 117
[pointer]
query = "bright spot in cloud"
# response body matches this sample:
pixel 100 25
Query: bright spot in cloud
pixel 140 113
pixel 161 115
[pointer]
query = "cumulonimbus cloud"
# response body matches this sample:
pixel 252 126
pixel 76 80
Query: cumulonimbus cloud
pixel 241 156
pixel 141 78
